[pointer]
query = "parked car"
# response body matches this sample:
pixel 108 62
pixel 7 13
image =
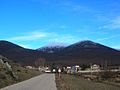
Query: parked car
pixel 54 70
pixel 47 71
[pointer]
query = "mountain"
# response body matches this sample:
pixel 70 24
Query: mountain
pixel 18 53
pixel 51 49
pixel 84 52
pixel 118 49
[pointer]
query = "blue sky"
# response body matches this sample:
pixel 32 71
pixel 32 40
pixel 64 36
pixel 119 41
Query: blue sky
pixel 37 23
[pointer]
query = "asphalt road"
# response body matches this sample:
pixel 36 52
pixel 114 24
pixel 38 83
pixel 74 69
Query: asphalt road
pixel 42 82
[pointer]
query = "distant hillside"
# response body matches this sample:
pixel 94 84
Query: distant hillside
pixel 84 52
pixel 51 49
pixel 18 53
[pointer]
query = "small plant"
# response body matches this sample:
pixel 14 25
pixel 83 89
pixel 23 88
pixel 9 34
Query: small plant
pixel 107 75
pixel 18 70
pixel 2 75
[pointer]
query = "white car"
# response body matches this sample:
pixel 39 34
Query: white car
pixel 53 70
pixel 47 71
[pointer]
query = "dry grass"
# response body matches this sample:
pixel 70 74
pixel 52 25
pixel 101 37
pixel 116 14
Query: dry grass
pixel 22 73
pixel 70 82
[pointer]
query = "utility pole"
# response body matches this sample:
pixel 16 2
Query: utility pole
pixel 106 65
pixel 91 70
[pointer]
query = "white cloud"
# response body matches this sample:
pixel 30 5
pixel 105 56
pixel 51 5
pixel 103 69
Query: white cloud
pixel 25 46
pixel 29 36
pixel 116 46
pixel 79 8
pixel 45 36
pixel 90 32
pixel 113 24
pixel 62 39
pixel 66 38
pixel 107 38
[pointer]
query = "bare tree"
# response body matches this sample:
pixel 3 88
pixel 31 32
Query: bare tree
pixel 40 62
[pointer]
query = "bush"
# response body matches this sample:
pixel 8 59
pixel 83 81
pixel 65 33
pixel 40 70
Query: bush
pixel 18 70
pixel 107 75
pixel 2 75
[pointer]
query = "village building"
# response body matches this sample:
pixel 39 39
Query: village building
pixel 73 69
pixel 95 67
pixel 29 67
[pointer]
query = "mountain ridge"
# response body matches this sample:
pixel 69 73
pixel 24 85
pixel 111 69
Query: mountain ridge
pixel 18 53
pixel 83 52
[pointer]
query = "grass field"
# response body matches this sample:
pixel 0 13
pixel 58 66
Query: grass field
pixel 70 82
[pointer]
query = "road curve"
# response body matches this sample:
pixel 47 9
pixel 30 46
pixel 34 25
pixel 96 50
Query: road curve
pixel 42 82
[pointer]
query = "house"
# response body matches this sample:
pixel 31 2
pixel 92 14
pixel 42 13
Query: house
pixel 78 68
pixel 68 69
pixel 29 67
pixel 95 67
pixel 73 69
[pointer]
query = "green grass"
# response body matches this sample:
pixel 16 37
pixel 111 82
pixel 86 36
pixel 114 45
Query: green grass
pixel 70 82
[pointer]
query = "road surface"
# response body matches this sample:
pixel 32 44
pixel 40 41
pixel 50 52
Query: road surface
pixel 42 82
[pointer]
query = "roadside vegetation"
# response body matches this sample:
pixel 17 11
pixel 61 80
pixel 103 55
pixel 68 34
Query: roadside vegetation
pixel 18 74
pixel 22 74
pixel 71 82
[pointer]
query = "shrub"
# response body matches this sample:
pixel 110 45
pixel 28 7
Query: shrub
pixel 2 75
pixel 107 75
